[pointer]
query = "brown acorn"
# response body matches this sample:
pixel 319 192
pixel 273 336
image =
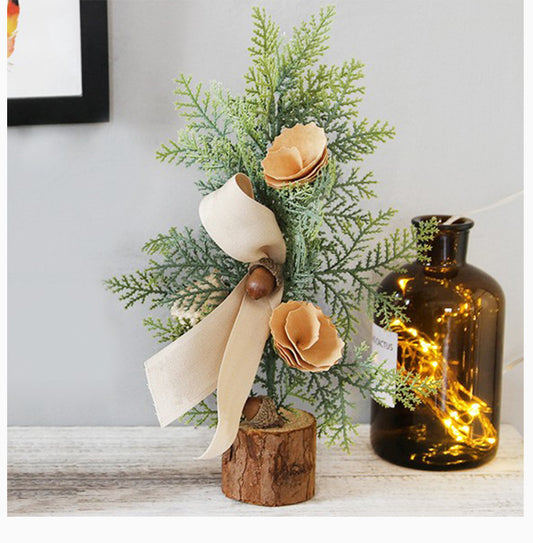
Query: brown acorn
pixel 261 282
pixel 261 412
pixel 251 407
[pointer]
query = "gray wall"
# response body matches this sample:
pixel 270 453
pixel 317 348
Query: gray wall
pixel 83 199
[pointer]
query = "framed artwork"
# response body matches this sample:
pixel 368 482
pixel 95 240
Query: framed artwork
pixel 57 62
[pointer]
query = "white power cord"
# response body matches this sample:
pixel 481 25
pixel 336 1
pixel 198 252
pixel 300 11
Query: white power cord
pixel 513 364
pixel 499 203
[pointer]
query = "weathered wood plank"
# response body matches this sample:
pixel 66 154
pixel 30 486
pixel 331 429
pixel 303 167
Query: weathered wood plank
pixel 149 471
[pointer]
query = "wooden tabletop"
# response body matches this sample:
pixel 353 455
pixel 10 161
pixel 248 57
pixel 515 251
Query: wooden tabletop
pixel 151 471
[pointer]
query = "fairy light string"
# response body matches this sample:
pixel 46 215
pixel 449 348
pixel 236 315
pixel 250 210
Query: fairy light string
pixel 465 417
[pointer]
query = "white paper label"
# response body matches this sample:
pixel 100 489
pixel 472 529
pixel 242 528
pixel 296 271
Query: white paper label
pixel 385 345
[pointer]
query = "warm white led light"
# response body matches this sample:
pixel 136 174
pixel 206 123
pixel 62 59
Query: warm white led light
pixel 458 415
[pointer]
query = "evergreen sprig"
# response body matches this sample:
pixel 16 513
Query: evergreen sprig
pixel 335 248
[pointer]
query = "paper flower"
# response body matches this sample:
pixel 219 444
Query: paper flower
pixel 304 337
pixel 296 156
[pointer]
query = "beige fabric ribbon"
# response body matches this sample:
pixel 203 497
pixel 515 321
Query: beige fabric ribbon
pixel 224 349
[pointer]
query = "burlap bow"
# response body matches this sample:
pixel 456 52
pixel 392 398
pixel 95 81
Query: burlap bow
pixel 223 350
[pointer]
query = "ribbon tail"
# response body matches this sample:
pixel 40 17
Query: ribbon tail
pixel 186 371
pixel 239 367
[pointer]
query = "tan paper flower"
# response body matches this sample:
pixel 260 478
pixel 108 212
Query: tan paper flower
pixel 296 156
pixel 304 337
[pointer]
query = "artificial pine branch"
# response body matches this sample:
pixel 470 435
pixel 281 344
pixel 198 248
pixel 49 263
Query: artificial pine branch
pixel 202 413
pixel 169 330
pixel 335 247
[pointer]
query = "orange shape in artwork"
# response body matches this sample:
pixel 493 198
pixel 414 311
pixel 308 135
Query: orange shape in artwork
pixel 13 10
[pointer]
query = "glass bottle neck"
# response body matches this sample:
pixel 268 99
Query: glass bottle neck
pixel 448 247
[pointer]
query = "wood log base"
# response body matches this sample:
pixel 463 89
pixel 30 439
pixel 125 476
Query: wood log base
pixel 272 466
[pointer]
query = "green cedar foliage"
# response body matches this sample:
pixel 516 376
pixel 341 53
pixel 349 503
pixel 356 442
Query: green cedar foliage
pixel 333 251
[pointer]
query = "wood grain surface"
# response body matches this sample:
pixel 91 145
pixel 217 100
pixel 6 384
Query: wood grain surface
pixel 272 466
pixel 137 471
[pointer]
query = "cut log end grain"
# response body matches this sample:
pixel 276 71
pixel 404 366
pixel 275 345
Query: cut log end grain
pixel 272 466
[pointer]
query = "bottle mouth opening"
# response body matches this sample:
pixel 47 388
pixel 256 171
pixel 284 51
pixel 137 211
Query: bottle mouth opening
pixel 462 223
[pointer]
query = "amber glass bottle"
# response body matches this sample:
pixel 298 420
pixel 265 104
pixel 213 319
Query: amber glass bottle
pixel 454 333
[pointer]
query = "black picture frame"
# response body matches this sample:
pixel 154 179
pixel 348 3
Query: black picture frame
pixel 93 105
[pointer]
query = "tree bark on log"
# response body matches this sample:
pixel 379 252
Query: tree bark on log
pixel 272 466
